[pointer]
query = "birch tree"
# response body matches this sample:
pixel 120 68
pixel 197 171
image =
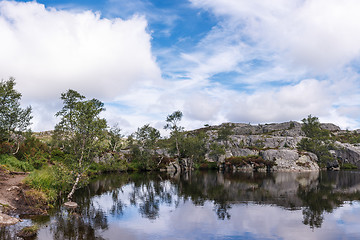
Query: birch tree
pixel 80 131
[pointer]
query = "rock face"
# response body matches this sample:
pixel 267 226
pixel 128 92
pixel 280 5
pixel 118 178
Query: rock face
pixel 276 144
pixel 291 160
pixel 348 153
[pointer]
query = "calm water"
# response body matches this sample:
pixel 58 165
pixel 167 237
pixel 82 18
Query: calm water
pixel 209 205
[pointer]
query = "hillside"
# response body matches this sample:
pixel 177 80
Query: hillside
pixel 275 147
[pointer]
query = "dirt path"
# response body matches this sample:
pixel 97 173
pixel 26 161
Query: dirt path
pixel 9 186
pixel 9 195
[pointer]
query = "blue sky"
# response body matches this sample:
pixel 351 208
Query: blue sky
pixel 215 60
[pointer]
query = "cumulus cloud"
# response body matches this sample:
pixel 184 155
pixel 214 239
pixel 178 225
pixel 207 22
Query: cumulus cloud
pixel 49 51
pixel 289 59
pixel 319 34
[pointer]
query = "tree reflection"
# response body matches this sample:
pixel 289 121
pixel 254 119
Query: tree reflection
pixel 313 193
pixel 327 195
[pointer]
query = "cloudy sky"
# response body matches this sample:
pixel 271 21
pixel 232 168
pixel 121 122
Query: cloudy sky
pixel 215 60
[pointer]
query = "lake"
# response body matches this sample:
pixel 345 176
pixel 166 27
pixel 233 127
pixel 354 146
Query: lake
pixel 209 205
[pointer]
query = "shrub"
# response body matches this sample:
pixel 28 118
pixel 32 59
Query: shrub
pixel 257 161
pixel 13 164
pixel 348 166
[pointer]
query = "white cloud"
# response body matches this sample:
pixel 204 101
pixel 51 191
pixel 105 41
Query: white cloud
pixel 49 51
pixel 317 34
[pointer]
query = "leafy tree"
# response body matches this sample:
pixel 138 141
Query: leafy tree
pixel 317 141
pixel 13 119
pixel 312 129
pixel 143 149
pixel 173 121
pixel 147 137
pixel 80 131
pixel 115 138
pixel 193 148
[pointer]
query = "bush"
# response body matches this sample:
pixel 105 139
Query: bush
pixel 13 164
pixel 319 148
pixel 348 166
pixel 207 165
pixel 257 161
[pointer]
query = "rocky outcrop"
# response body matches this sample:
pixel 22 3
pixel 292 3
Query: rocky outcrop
pixel 277 145
pixel 291 160
pixel 348 153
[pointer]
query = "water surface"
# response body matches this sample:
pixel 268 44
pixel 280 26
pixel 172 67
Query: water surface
pixel 211 205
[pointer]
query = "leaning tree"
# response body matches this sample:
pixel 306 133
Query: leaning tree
pixel 80 132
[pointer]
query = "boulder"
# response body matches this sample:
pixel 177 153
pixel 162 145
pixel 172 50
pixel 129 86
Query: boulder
pixel 347 153
pixel 6 220
pixel 291 160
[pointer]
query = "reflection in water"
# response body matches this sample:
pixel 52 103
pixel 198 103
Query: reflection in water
pixel 212 205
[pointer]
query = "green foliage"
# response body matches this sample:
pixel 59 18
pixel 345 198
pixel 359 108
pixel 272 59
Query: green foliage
pixel 80 131
pixel 348 166
pixel 147 137
pixel 193 147
pixel 52 180
pixel 28 232
pixel 317 141
pixel 13 164
pixel 216 150
pixel 143 146
pixel 225 132
pixel 311 128
pixel 207 166
pixel 115 138
pixel 13 119
pixel 108 166
pixel 176 133
pixel 33 151
pixel 318 147
pixel 255 160
pixel 348 137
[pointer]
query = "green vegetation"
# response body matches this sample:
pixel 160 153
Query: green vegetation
pixel 348 166
pixel 348 137
pixel 28 232
pixel 317 141
pixel 13 119
pixel 11 163
pixel 176 133
pixel 83 145
pixel 80 132
pixel 252 160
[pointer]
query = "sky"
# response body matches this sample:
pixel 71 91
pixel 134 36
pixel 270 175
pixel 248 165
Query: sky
pixel 215 60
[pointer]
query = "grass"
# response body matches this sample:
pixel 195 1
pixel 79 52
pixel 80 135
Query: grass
pixel 13 164
pixel 51 180
pixel 28 232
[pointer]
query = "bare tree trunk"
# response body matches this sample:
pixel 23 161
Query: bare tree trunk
pixel 74 187
pixel 17 148
pixel 77 177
